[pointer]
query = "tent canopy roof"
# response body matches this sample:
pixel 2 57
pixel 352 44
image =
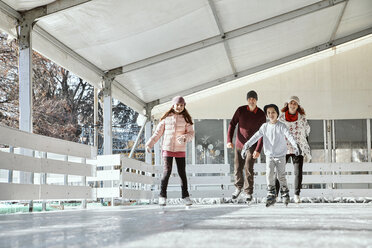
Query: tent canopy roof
pixel 158 49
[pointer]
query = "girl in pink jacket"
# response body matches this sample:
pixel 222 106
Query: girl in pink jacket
pixel 177 128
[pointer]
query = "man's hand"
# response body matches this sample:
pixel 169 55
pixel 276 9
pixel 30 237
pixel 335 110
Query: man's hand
pixel 256 154
pixel 230 145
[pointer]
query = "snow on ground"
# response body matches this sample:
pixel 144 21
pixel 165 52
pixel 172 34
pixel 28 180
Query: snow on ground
pixel 222 225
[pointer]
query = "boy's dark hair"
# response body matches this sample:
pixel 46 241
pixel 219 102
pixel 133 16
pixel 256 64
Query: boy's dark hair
pixel 272 105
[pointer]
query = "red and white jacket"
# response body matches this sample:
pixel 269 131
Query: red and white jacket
pixel 299 129
pixel 172 127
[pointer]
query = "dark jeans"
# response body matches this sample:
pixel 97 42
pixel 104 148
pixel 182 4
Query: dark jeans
pixel 246 164
pixel 298 162
pixel 181 167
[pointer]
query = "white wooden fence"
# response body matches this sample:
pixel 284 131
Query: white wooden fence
pixel 204 181
pixel 142 181
pixel 133 179
pixel 35 157
pixel 64 173
pixel 123 178
pixel 329 180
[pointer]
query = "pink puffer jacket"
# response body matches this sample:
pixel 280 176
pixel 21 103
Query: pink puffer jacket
pixel 172 127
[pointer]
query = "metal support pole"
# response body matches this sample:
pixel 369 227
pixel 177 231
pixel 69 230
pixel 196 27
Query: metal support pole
pixel 325 135
pixel 25 86
pixel 43 180
pixel 226 157
pixel 137 139
pixel 193 154
pixel 95 116
pixel 84 182
pixel 333 147
pixel 107 116
pixel 148 155
pixel 369 139
pixel 10 172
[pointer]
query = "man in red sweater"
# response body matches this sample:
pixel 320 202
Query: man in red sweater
pixel 250 118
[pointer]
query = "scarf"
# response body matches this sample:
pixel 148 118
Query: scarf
pixel 291 118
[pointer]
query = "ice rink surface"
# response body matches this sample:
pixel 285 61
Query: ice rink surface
pixel 226 225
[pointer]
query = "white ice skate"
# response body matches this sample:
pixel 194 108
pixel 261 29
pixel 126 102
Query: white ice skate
pixel 236 194
pixel 187 202
pixel 297 199
pixel 162 201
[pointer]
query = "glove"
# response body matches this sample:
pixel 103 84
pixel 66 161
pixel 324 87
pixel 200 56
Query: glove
pixel 181 139
pixel 244 150
pixel 148 149
pixel 298 151
pixel 244 153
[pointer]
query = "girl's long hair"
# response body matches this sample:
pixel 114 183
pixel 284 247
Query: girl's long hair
pixel 299 109
pixel 184 112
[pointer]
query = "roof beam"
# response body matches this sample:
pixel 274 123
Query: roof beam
pixel 222 34
pixel 274 63
pixel 230 35
pixel 333 35
pixel 60 5
pixel 9 11
pixel 42 11
pixel 86 63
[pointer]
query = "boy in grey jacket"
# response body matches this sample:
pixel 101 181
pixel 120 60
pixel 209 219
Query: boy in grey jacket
pixel 274 135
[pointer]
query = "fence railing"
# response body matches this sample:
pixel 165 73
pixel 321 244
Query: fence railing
pixel 32 153
pixel 66 172
pixel 329 180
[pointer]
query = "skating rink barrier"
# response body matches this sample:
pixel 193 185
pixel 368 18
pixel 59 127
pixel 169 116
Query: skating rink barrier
pixel 49 168
pixel 129 179
pixel 328 180
pixel 122 177
pixel 204 181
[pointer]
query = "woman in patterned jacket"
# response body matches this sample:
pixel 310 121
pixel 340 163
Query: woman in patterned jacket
pixel 293 115
pixel 177 129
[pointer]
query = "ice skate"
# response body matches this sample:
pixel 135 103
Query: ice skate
pixel 248 198
pixel 285 195
pixel 236 194
pixel 187 202
pixel 270 200
pixel 162 201
pixel 271 196
pixel 286 200
pixel 297 199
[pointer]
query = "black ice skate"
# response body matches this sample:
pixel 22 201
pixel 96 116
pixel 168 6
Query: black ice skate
pixel 271 196
pixel 285 195
pixel 270 200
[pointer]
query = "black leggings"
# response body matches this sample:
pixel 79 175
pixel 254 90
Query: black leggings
pixel 181 167
pixel 298 162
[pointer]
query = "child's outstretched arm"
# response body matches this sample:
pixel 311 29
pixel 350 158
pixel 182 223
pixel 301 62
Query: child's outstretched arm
pixel 251 142
pixel 291 140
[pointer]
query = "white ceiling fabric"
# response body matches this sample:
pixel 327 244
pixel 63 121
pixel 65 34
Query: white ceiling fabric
pixel 103 35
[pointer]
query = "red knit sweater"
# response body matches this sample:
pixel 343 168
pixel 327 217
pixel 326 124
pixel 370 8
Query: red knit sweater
pixel 249 123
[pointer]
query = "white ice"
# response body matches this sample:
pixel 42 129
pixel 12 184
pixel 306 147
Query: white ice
pixel 222 225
